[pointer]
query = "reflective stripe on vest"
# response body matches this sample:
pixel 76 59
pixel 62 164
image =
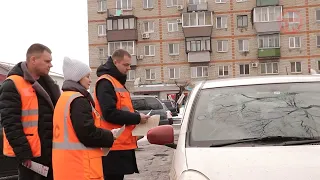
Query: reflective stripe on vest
pixel 66 144
pixel 126 141
pixel 29 117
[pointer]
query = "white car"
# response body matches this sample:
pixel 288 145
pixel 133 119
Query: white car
pixel 255 128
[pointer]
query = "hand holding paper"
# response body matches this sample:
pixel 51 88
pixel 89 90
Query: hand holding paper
pixel 116 133
pixel 142 129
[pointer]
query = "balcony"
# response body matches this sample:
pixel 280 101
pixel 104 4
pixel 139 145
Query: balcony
pixel 122 29
pixel 198 56
pixel 114 12
pixel 267 19
pixel 203 6
pixel 197 24
pixel 267 3
pixel 269 53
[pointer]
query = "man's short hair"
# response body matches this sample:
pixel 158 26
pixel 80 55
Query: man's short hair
pixel 119 54
pixel 37 48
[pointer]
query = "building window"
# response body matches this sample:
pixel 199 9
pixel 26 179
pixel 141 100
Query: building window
pixel 171 3
pixel 198 44
pixel 242 21
pixel 244 69
pixel 148 26
pixel 102 30
pixel 223 71
pixel 199 71
pixel 126 45
pixel 269 68
pixel 318 41
pixel 119 24
pixel 149 50
pixel 174 73
pixel 102 5
pixel 222 46
pixel 222 22
pixel 124 4
pixel 268 14
pixel 197 1
pixel 318 15
pixel 147 4
pixel 269 41
pixel 173 49
pixel 102 53
pixel 293 17
pixel 319 65
pixel 150 74
pixel 221 1
pixel 294 42
pixel 243 45
pixel 172 27
pixel 295 67
pixel 131 76
pixel 242 0
pixel 196 19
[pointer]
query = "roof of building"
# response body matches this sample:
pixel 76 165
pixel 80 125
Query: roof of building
pixel 8 66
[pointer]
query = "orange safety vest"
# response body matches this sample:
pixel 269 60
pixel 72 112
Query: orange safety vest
pixel 29 117
pixel 125 141
pixel 70 158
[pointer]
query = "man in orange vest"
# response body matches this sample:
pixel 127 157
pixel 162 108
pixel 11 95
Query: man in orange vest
pixel 27 100
pixel 113 101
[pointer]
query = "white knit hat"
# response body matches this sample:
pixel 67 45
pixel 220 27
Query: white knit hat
pixel 74 70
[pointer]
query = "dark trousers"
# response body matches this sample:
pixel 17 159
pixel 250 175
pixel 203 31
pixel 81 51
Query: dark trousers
pixel 113 177
pixel 27 174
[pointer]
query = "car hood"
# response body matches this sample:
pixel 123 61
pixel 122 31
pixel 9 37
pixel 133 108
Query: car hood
pixel 252 163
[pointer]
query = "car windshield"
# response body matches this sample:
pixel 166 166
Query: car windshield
pixel 253 111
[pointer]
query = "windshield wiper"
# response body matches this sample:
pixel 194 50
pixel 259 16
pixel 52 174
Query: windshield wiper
pixel 301 142
pixel 265 139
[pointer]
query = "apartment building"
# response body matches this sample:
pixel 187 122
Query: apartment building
pixel 191 40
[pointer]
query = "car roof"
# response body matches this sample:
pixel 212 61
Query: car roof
pixel 242 81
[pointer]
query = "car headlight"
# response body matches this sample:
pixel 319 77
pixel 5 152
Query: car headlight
pixel 192 175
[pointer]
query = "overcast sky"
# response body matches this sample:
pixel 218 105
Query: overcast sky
pixel 59 24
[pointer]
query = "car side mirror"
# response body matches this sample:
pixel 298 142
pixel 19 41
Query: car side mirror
pixel 162 135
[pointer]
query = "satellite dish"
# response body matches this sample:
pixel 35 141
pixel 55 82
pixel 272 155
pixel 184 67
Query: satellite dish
pixel 137 82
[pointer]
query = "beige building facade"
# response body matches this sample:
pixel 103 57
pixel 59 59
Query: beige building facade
pixel 192 40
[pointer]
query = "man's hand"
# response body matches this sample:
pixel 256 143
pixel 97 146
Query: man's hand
pixel 27 163
pixel 143 118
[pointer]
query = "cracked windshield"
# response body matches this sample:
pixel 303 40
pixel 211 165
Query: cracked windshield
pixel 241 112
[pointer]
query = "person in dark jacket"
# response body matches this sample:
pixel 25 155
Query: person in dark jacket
pixel 34 71
pixel 77 80
pixel 118 162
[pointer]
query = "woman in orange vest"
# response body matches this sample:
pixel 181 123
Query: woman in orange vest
pixel 77 138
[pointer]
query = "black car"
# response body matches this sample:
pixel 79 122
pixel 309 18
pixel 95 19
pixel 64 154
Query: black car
pixel 145 103
pixel 8 166
pixel 172 106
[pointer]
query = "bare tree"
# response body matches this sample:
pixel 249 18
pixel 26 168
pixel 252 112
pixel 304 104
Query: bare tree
pixel 182 87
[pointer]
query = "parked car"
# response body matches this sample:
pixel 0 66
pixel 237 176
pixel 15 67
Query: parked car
pixel 145 103
pixel 248 128
pixel 8 166
pixel 172 106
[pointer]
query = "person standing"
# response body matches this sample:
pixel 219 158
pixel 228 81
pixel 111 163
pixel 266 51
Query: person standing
pixel 77 139
pixel 27 100
pixel 113 101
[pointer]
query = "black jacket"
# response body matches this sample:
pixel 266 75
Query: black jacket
pixel 107 97
pixel 10 108
pixel 117 162
pixel 82 119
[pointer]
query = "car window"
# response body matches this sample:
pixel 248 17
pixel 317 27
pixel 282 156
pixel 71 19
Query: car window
pixel 231 113
pixel 168 104
pixel 139 104
pixel 153 103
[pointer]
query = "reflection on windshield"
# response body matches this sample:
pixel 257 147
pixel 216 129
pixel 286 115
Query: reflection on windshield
pixel 256 111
